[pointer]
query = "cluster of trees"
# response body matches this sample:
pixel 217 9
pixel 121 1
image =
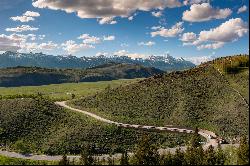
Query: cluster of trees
pixel 232 64
pixel 146 153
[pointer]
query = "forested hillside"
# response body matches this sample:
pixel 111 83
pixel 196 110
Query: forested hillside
pixel 27 76
pixel 202 97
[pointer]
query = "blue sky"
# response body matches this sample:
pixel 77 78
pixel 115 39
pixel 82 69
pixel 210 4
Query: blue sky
pixel 136 28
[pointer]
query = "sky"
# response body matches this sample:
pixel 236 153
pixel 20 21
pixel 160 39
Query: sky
pixel 196 30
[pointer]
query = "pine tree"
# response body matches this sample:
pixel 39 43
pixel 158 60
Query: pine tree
pixel 196 139
pixel 243 152
pixel 124 159
pixel 220 156
pixel 145 153
pixel 210 157
pixel 64 160
pixel 194 153
pixel 167 159
pixel 86 156
pixel 178 158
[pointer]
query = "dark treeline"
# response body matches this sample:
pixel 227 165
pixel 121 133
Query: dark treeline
pixel 146 153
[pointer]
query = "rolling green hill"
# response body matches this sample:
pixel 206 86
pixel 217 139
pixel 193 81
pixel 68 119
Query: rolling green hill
pixel 33 76
pixel 37 125
pixel 203 97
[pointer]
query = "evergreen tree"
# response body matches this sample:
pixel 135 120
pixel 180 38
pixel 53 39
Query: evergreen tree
pixel 210 157
pixel 196 139
pixel 86 156
pixel 64 160
pixel 194 153
pixel 220 156
pixel 145 153
pixel 124 159
pixel 110 161
pixel 166 159
pixel 243 152
pixel 178 158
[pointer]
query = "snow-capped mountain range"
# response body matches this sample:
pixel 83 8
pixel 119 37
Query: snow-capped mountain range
pixel 13 59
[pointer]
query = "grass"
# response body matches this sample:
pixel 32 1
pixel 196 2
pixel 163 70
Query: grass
pixel 64 91
pixel 39 126
pixel 16 161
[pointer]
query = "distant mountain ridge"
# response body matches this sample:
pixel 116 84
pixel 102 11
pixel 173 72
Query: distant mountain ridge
pixel 13 59
pixel 32 76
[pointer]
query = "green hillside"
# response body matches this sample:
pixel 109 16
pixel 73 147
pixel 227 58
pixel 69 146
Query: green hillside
pixel 200 97
pixel 37 125
pixel 34 76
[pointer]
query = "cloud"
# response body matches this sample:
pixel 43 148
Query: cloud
pixel 72 47
pixel 22 18
pixel 190 2
pixel 31 14
pixel 199 59
pixel 242 9
pixel 205 12
pixel 215 38
pixel 124 45
pixel 48 46
pixel 172 32
pixel 107 20
pixel 41 37
pixel 228 31
pixel 26 17
pixel 11 42
pixel 105 8
pixel 22 28
pixel 214 45
pixel 35 47
pixel 157 14
pixel 188 37
pixel 149 43
pixel 108 38
pixel 20 42
pixel 87 39
pixel 131 55
pixel 101 53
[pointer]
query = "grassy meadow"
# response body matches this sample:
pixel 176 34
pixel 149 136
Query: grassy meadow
pixel 64 91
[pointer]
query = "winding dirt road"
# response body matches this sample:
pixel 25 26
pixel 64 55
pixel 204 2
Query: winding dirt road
pixel 210 137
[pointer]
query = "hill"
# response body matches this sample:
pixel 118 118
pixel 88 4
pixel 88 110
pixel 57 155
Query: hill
pixel 203 97
pixel 35 124
pixel 33 76
pixel 14 59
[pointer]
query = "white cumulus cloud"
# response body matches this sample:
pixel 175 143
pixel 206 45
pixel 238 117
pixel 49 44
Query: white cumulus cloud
pixel 164 32
pixel 149 43
pixel 105 8
pixel 128 54
pixel 242 9
pixel 22 28
pixel 188 37
pixel 72 47
pixel 215 38
pixel 205 12
pixel 157 14
pixel 26 17
pixel 108 38
pixel 198 59
pixel 107 20
pixel 87 39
